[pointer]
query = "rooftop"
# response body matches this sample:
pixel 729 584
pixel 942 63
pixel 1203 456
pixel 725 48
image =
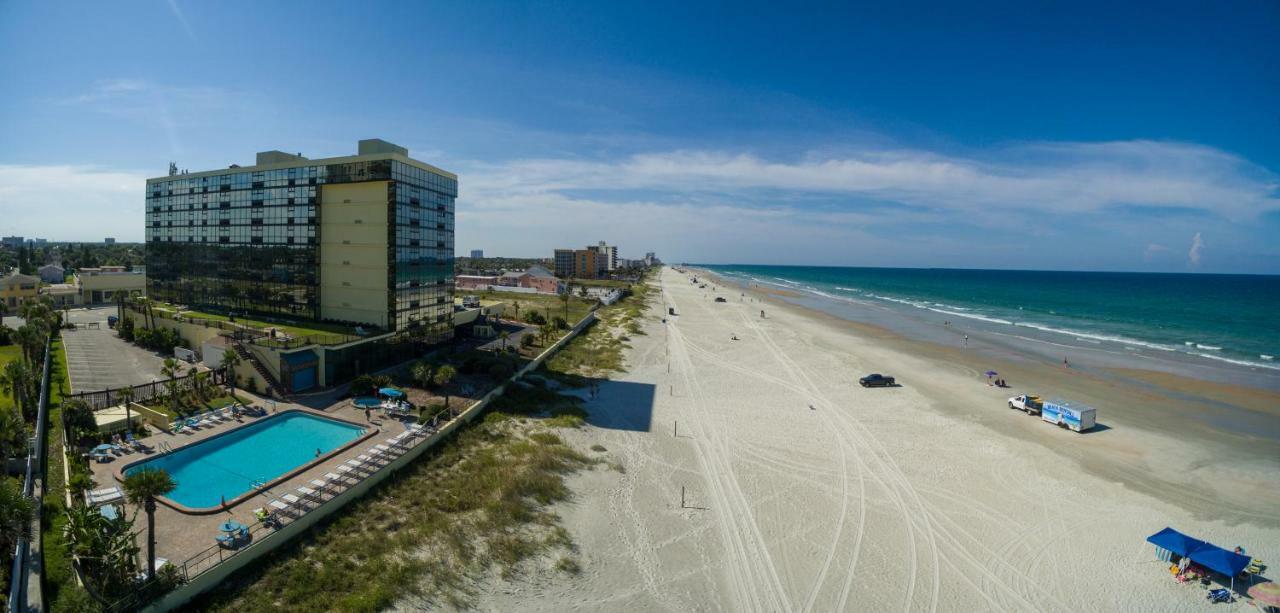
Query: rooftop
pixel 367 149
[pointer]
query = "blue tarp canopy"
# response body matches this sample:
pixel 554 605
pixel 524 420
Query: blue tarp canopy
pixel 1219 560
pixel 391 392
pixel 1175 541
pixel 1205 554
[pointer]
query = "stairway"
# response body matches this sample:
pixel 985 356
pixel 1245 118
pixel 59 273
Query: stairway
pixel 273 387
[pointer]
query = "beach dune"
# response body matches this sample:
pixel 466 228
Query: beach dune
pixel 805 492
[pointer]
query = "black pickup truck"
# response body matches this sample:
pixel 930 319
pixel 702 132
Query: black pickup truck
pixel 876 380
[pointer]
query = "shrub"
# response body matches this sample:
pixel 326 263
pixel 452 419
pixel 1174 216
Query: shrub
pixel 526 341
pixel 535 318
pixel 560 323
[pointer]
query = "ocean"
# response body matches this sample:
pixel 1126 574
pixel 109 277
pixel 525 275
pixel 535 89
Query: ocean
pixel 1228 320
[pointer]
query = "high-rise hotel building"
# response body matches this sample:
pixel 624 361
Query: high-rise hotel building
pixel 363 240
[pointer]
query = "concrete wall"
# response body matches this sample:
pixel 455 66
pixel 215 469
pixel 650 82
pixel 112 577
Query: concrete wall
pixel 267 541
pixel 353 252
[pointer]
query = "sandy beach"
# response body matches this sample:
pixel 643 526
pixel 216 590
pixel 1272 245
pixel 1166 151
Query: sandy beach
pixel 806 492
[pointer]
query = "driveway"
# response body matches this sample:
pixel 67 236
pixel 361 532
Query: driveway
pixel 98 359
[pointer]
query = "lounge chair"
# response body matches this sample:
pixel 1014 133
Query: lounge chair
pixel 344 472
pixel 280 507
pixel 293 501
pixel 383 450
pixel 101 457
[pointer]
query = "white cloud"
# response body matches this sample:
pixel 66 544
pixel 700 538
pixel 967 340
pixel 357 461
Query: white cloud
pixel 718 205
pixel 71 202
pixel 1197 249
pixel 1153 250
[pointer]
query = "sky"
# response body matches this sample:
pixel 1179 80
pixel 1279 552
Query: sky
pixel 1025 134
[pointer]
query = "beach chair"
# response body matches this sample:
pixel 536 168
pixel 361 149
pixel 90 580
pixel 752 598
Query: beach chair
pixel 293 501
pixel 309 494
pixel 344 472
pixel 280 507
pixel 1219 595
pixel 382 449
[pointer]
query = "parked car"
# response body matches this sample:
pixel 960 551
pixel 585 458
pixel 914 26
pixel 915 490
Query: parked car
pixel 877 380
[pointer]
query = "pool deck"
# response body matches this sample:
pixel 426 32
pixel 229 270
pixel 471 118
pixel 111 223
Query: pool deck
pixel 181 535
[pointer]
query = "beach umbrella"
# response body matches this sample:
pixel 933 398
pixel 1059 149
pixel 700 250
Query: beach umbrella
pixel 992 373
pixel 103 448
pixel 1267 593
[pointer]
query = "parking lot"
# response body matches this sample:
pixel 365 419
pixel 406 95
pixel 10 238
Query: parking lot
pixel 97 359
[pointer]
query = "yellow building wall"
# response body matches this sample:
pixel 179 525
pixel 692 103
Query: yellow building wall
pixel 14 298
pixel 107 284
pixel 353 252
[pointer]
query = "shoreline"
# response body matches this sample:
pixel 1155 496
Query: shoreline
pixel 760 477
pixel 1164 423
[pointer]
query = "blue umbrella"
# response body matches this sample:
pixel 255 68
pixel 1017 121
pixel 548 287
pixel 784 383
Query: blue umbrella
pixel 992 373
pixel 103 448
pixel 391 392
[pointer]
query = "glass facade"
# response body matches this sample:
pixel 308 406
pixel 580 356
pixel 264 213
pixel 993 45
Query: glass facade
pixel 248 241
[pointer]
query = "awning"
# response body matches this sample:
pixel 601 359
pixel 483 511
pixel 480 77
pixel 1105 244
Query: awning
pixel 391 392
pixel 1205 554
pixel 1175 541
pixel 1219 560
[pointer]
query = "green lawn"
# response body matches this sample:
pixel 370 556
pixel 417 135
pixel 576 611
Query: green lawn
pixel 323 333
pixel 547 305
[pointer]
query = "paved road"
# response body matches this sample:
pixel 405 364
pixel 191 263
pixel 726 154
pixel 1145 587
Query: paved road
pixel 76 316
pixel 98 359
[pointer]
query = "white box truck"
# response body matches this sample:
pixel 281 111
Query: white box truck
pixel 1075 417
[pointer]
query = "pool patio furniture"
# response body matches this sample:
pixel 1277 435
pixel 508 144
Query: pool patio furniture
pixel 103 496
pixel 101 457
pixel 321 484
pixel 280 507
pixel 344 472
pixel 308 494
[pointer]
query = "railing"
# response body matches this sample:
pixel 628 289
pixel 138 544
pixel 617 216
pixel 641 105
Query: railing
pixel 104 399
pixel 259 336
pixel 22 568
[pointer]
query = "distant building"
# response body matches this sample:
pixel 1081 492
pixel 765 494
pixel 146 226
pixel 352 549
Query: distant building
pixel 52 273
pixel 13 242
pixel 608 256
pixel 536 278
pixel 651 258
pixel 109 241
pixel 564 263
pixel 38 241
pixel 477 253
pixel 18 288
pixel 587 263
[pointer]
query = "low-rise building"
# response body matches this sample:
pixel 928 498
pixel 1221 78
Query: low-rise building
pixel 12 242
pixel 17 288
pixel 474 282
pixel 62 294
pixel 98 285
pixel 477 253
pixel 587 263
pixel 52 273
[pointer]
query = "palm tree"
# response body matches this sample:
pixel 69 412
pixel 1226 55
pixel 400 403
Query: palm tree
pixel 15 377
pixel 422 373
pixel 515 306
pixel 230 360
pixel 16 513
pixel 442 377
pixel 142 487
pixel 505 335
pixel 3 310
pixel 125 394
pixel 565 299
pixel 172 368
pixel 120 296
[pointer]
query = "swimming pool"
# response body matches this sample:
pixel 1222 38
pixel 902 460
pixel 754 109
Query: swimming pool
pixel 367 402
pixel 235 463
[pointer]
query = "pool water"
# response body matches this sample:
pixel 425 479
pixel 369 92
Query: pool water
pixel 368 402
pixel 230 465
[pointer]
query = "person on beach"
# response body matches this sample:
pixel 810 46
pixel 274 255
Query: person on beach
pixel 317 452
pixel 1065 363
pixel 367 416
pixel 966 340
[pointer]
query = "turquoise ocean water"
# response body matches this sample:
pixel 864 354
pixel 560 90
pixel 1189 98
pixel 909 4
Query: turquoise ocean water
pixel 1224 319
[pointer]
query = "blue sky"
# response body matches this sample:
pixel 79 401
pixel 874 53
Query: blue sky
pixel 1062 135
